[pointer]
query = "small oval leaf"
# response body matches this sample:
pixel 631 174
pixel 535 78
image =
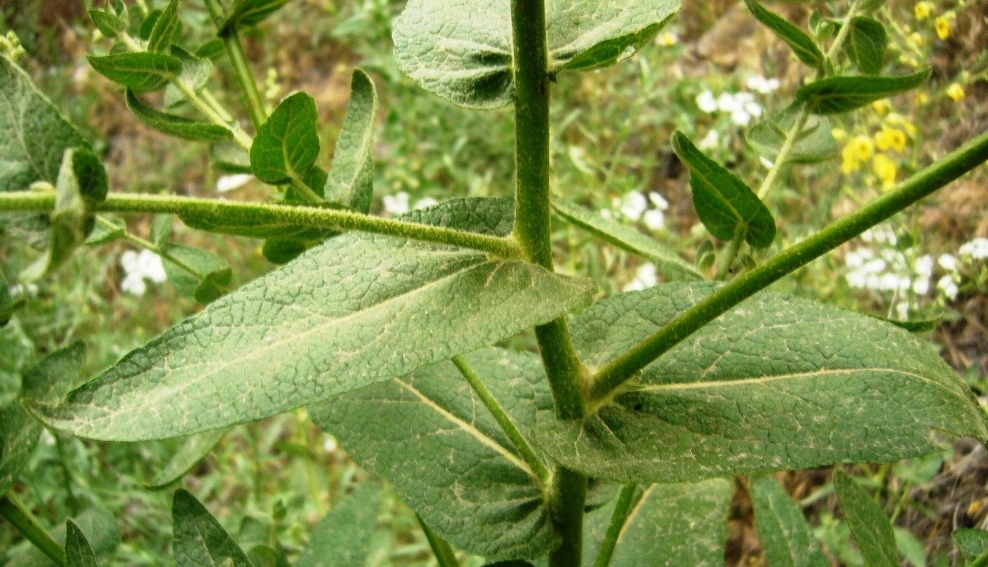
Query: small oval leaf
pixel 801 44
pixel 835 95
pixel 287 145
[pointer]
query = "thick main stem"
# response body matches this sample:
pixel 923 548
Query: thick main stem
pixel 12 510
pixel 957 163
pixel 533 213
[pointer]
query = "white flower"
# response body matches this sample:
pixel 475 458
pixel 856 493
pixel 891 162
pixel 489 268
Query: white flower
pixel 921 286
pixel 706 102
pixel 710 141
pixel 762 85
pixel 396 204
pixel 726 102
pixel 231 182
pixel 667 39
pixel 330 445
pixel 947 285
pixel 658 201
pixel 976 249
pixel 947 262
pixel 924 266
pixel 645 277
pixel 632 205
pixel 902 310
pixel 766 163
pixel 655 219
pixel 425 203
pixel 139 267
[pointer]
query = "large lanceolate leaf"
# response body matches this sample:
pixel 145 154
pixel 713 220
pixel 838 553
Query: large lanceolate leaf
pixel 356 310
pixel 801 44
pixel 33 138
pixel 141 71
pixel 629 239
pixel 871 529
pixel 78 552
pixel 778 383
pixel 835 95
pixel 782 529
pixel 683 524
pixel 351 179
pixel 456 468
pixel 461 49
pixel 177 126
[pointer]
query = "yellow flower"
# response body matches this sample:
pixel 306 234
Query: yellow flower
pixel 896 119
pixel 886 170
pixel 943 27
pixel 922 10
pixel 922 98
pixel 955 92
pixel 881 107
pixel 859 149
pixel 890 138
pixel 668 39
pixel 915 40
pixel 839 134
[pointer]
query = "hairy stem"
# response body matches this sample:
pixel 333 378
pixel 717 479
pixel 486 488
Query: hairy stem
pixel 533 218
pixel 219 211
pixel 241 67
pixel 957 163
pixel 502 418
pixel 14 511
pixel 618 520
pixel 445 556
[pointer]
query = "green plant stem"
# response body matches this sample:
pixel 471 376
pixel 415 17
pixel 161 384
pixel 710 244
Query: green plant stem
pixel 440 548
pixel 618 520
pixel 780 160
pixel 980 561
pixel 304 190
pixel 502 418
pixel 533 231
pixel 729 255
pixel 141 243
pixel 210 99
pixel 14 511
pixel 615 373
pixel 241 67
pixel 215 210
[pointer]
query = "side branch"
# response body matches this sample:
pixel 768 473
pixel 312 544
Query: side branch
pixel 263 213
pixel 615 373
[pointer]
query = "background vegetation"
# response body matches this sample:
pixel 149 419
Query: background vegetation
pixel 709 75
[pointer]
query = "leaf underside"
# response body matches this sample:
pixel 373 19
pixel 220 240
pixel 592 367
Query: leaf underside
pixel 456 469
pixel 684 524
pixel 199 539
pixel 343 536
pixel 358 309
pixel 778 383
pixel 461 49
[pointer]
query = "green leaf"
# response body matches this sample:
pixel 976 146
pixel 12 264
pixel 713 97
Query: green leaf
pixel 865 44
pixel 199 540
pixel 10 388
pixel 786 536
pixel 628 239
pixel 228 157
pixel 973 543
pixel 779 383
pixel 106 230
pixel 109 24
pixel 166 27
pixel 8 303
pixel 658 523
pixel 722 201
pixel 82 184
pixel 33 138
pixel 872 531
pixel 801 44
pixel 287 145
pixel 195 74
pixel 250 13
pixel 177 126
pixel 141 71
pixel 343 536
pixel 211 50
pixel 193 449
pixel 51 379
pixel 215 271
pixel 910 547
pixel 78 553
pixel 161 232
pixel 346 314
pixel 147 25
pixel 351 179
pixel 835 95
pixel 461 49
pixel 97 525
pixel 456 468
pixel 19 434
pixel 280 252
pixel 813 145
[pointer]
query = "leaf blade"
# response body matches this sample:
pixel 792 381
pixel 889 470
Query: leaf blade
pixel 351 178
pixel 872 531
pixel 801 44
pixel 837 95
pixel 173 125
pixel 786 537
pixel 199 539
pixel 142 71
pixel 288 347
pixel 287 145
pixel 343 536
pixel 78 552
